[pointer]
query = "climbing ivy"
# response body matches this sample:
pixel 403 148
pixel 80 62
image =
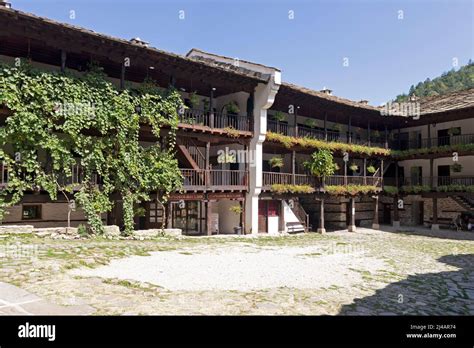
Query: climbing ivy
pixel 58 120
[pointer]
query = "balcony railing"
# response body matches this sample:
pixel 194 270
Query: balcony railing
pixel 270 178
pixel 435 183
pixel 219 120
pixel 76 178
pixel 328 135
pixel 214 179
pixel 460 139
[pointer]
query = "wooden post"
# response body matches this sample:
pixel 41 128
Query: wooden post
pixel 365 171
pixel 352 226
pixel 434 224
pixel 345 173
pixel 386 137
pixel 63 60
pixel 381 172
pixel 321 228
pixel 325 126
pixel 431 174
pixel 350 129
pixel 207 173
pixel 211 109
pixel 293 167
pixel 375 221
pixel 368 132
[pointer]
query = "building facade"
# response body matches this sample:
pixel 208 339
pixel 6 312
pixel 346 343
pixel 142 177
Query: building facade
pixel 245 134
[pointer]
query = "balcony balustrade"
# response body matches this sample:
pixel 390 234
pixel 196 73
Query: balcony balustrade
pixel 271 178
pixel 202 179
pixel 328 135
pixel 215 119
pixel 461 139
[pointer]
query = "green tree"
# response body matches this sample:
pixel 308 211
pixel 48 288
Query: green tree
pixel 321 164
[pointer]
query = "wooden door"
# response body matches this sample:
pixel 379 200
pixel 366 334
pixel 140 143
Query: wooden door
pixel 154 215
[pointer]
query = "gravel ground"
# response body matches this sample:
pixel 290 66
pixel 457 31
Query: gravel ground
pixel 241 268
pixel 411 272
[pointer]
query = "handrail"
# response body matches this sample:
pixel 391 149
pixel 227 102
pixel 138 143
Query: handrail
pixel 214 178
pixel 460 139
pixel 215 119
pixel 272 178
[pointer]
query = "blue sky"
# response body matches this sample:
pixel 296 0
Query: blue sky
pixel 385 54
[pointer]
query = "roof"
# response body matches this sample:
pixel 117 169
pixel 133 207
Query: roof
pixel 30 16
pixel 328 97
pixel 436 104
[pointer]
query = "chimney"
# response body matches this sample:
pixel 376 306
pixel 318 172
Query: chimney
pixel 5 4
pixel 363 101
pixel 326 91
pixel 138 41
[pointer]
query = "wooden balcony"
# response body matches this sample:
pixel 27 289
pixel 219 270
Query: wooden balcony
pixel 270 178
pixel 461 139
pixel 215 180
pixel 206 121
pixel 434 185
pixel 328 135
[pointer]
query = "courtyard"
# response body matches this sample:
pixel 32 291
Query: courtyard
pixel 391 272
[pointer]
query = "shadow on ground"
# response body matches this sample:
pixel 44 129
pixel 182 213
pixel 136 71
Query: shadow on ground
pixel 423 231
pixel 443 293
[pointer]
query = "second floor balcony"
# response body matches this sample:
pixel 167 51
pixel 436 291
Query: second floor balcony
pixel 272 178
pixel 299 131
pixel 419 184
pixel 214 180
pixel 199 119
pixel 420 143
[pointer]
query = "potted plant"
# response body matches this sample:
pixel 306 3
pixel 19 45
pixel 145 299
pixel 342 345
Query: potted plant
pixel 456 168
pixel 454 131
pixel 232 108
pixel 371 169
pixel 321 165
pixel 237 209
pixel 375 134
pixel 279 116
pixel 311 123
pixel 206 105
pixel 194 100
pixel 354 167
pixel 337 127
pixel 276 162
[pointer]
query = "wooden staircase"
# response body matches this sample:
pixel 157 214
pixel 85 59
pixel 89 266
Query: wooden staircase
pixel 303 217
pixel 191 154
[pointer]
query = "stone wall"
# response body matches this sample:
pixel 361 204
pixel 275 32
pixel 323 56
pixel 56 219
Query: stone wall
pixel 53 214
pixel 335 211
pixel 447 209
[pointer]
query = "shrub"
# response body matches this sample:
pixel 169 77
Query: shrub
pixel 283 188
pixel 276 162
pixel 390 190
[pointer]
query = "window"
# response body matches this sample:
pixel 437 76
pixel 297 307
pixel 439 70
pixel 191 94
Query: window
pixel 31 212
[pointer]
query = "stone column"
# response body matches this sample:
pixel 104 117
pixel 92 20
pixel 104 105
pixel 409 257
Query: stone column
pixel 352 225
pixel 396 218
pixel 434 224
pixel 321 228
pixel 375 221
pixel 264 96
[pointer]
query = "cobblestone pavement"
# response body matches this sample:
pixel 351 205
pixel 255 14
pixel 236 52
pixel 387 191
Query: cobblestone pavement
pixel 391 273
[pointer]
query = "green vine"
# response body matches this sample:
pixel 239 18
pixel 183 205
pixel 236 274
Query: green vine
pixel 60 120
